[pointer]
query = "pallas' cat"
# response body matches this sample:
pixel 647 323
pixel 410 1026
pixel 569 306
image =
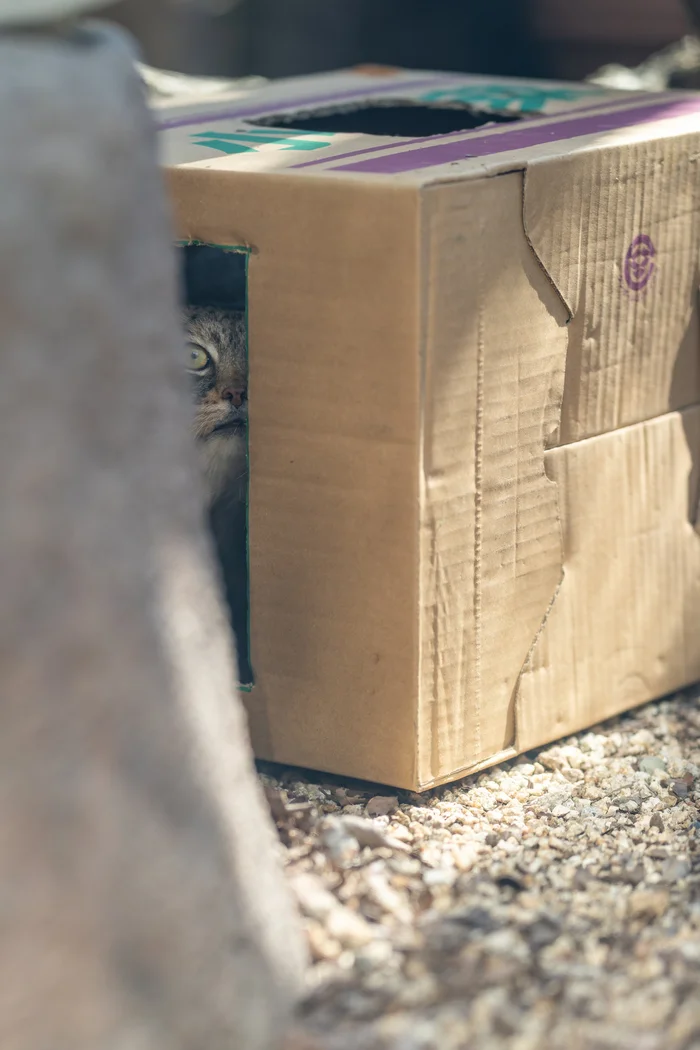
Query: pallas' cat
pixel 216 360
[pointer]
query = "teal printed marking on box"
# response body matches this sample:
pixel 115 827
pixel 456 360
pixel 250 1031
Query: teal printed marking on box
pixel 520 99
pixel 250 140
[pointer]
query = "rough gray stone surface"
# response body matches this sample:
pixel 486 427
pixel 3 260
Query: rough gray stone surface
pixel 141 907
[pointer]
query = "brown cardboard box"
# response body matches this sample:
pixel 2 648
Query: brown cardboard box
pixel 475 408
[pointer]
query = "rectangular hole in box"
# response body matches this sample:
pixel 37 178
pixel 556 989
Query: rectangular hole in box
pixel 214 281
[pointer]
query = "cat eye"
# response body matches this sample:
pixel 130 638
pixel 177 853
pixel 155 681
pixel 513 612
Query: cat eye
pixel 197 358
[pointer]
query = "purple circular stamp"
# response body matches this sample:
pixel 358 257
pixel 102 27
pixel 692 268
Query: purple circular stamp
pixel 639 263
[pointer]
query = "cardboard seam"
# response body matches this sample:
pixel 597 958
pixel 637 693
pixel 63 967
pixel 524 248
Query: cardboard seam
pixel 474 176
pixel 628 426
pixel 540 263
pixel 478 505
pixel 423 302
pixel 558 525
pixel 523 168
pixel 469 769
pixel 527 662
pixel 625 426
pixel 434 714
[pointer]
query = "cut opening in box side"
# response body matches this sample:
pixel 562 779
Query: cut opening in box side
pixel 214 299
pixel 400 118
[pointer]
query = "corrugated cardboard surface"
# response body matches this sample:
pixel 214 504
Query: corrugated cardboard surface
pixel 623 628
pixel 334 447
pixel 474 434
pixel 491 550
pixel 630 356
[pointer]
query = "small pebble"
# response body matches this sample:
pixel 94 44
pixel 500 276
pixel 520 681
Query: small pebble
pixel 339 844
pixel 367 833
pixel 382 805
pixel 675 869
pixel 648 904
pixel 656 821
pixel 349 928
pixel 543 932
pixel 651 763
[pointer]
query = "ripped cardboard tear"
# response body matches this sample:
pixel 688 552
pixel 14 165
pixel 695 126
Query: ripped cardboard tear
pixel 474 412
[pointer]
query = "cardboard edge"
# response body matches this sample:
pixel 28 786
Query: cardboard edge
pixel 565 303
pixel 468 770
pixel 558 523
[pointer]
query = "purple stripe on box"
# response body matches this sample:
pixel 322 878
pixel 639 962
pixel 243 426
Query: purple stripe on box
pixel 261 110
pixel 467 136
pixel 523 137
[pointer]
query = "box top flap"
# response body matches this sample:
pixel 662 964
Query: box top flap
pixel 288 125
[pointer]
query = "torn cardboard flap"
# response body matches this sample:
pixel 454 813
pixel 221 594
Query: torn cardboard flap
pixel 631 587
pixel 491 547
pixel 618 232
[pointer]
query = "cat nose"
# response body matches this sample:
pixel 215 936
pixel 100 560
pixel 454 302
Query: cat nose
pixel 237 394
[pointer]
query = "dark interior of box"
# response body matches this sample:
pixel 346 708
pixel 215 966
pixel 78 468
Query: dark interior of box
pixel 400 119
pixel 213 276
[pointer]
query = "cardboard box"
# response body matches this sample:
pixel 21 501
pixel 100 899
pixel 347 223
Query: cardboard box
pixel 475 407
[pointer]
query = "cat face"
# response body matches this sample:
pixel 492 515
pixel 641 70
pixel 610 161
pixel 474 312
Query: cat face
pixel 215 358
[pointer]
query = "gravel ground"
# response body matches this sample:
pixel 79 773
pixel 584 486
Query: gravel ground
pixel 551 902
